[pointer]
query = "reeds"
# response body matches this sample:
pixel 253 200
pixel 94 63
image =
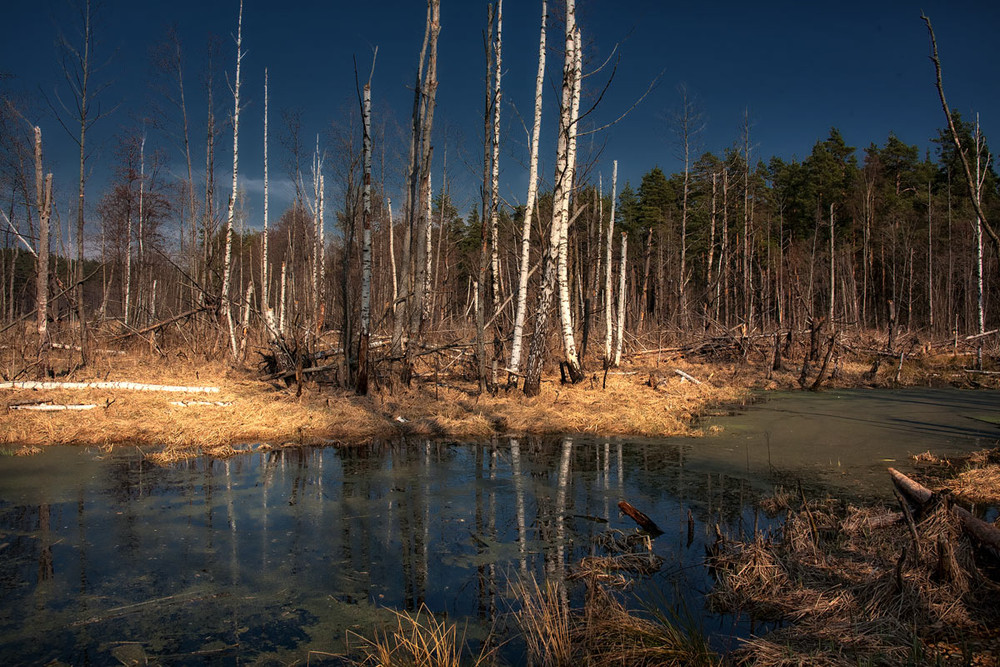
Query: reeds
pixel 418 640
pixel 855 587
pixel 603 632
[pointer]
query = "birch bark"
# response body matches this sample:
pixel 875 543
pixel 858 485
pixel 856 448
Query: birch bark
pixel 265 279
pixel 563 181
pixel 529 209
pixel 608 295
pixel 231 214
pixel 620 329
pixel 361 388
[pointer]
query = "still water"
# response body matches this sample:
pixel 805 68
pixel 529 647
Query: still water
pixel 106 558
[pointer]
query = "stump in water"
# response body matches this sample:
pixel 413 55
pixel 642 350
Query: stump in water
pixel 644 521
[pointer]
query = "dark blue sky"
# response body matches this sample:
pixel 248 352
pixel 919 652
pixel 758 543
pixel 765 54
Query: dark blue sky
pixel 798 67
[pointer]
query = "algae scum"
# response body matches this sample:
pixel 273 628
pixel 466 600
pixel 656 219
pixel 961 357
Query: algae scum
pixel 105 557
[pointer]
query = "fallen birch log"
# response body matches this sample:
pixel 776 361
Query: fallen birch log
pixel 687 377
pixel 132 386
pixel 51 407
pixel 982 531
pixel 188 404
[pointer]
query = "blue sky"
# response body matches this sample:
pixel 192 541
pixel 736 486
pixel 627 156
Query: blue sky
pixel 798 68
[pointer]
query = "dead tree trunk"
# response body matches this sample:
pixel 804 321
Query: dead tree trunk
pixel 366 238
pixel 43 202
pixel 529 209
pixel 231 214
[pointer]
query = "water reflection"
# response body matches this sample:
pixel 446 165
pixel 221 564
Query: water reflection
pixel 274 554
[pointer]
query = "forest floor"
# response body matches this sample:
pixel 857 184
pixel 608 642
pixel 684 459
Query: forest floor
pixel 647 396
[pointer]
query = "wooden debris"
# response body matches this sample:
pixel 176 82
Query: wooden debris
pixel 188 404
pixel 686 376
pixel 987 535
pixel 133 386
pixel 51 407
pixel 644 521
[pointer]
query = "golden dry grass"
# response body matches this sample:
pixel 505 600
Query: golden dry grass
pixel 644 398
pixel 974 479
pixel 603 632
pixel 262 413
pixel 417 639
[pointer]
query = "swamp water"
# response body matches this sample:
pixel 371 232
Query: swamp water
pixel 108 559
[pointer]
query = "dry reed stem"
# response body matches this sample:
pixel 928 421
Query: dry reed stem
pixel 419 639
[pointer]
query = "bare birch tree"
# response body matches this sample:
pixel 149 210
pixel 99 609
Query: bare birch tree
pixel 412 176
pixel 608 294
pixel 366 236
pixel 495 162
pixel 982 168
pixel 43 203
pixel 565 311
pixel 265 277
pixel 563 183
pixel 231 213
pixel 485 198
pixel 418 312
pixel 78 68
pixel 529 209
pixel 620 329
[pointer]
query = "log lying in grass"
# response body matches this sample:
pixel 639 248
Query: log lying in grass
pixel 687 377
pixel 133 386
pixel 52 407
pixel 188 404
pixel 644 521
pixel 986 534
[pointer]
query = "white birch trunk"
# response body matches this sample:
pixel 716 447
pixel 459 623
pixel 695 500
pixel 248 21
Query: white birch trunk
pixel 231 213
pixel 565 310
pixel 281 306
pixel 139 239
pixel 392 258
pixel 981 171
pixel 833 281
pixel 419 311
pixel 608 295
pixel 43 196
pixel 560 220
pixel 428 249
pixel 620 329
pixel 366 245
pixel 132 386
pixel 321 250
pixel 529 208
pixel 495 183
pixel 265 278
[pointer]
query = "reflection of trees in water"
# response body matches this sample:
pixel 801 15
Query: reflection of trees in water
pixel 392 518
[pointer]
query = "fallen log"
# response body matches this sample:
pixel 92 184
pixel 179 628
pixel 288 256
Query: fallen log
pixel 52 407
pixel 160 325
pixel 133 386
pixel 686 376
pixel 644 521
pixel 986 534
pixel 188 404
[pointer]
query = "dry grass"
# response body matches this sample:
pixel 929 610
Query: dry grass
pixel 603 632
pixel 974 478
pixel 852 589
pixel 417 640
pixel 263 413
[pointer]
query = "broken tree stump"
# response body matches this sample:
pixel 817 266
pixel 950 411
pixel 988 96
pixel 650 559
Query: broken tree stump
pixel 641 519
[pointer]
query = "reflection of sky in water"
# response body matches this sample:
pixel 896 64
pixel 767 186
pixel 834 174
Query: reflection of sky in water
pixel 279 553
pixel 106 557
